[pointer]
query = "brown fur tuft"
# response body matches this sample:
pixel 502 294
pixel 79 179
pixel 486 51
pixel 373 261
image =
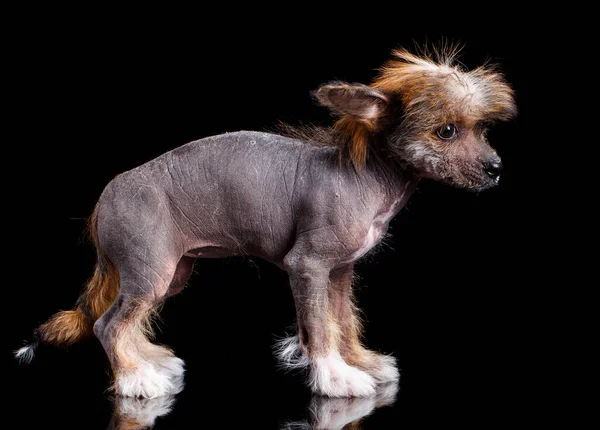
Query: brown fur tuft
pixel 435 82
pixel 65 328
pixel 349 136
pixel 68 327
pixel 361 111
pixel 103 287
pixel 310 133
pixel 353 137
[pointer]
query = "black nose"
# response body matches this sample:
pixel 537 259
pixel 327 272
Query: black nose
pixel 493 167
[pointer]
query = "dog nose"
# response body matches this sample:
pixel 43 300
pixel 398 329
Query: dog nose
pixel 493 167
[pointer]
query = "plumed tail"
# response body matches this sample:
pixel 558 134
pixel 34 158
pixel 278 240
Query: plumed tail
pixel 68 327
pixel 26 353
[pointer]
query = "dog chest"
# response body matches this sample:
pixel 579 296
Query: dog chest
pixel 375 233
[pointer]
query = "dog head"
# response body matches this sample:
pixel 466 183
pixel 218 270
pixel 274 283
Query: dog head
pixel 433 114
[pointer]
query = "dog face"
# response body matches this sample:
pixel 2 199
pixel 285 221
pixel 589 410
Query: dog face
pixel 431 115
pixel 440 116
pixel 454 149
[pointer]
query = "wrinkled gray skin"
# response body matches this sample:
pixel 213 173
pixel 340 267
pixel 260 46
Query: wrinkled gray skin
pixel 289 202
pixel 248 193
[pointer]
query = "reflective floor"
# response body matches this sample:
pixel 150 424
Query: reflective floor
pixel 67 390
pixel 321 412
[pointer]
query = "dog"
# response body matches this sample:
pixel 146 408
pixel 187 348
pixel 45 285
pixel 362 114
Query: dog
pixel 310 200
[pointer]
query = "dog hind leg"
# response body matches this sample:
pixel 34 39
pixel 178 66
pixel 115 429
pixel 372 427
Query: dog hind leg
pixel 140 368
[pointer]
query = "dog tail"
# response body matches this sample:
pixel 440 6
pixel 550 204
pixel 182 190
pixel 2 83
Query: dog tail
pixel 67 327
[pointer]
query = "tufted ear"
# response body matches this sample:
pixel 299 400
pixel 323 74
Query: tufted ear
pixel 361 110
pixel 357 100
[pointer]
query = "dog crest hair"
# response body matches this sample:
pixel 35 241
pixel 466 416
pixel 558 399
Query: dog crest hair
pixel 415 79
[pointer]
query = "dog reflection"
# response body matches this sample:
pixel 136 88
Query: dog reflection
pixel 132 413
pixel 326 413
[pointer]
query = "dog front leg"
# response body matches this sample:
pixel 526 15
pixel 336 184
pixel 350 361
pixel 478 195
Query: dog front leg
pixel 319 335
pixel 342 308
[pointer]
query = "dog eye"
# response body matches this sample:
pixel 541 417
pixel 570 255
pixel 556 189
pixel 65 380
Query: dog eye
pixel 447 131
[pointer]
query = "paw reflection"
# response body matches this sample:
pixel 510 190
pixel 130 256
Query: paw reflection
pixel 327 413
pixel 133 413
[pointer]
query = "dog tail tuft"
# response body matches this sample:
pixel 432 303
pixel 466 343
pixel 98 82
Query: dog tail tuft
pixel 27 352
pixel 68 327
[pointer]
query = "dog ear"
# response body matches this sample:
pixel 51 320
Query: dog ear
pixel 357 100
pixel 361 110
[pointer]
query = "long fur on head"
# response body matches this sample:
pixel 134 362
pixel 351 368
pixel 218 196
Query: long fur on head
pixel 437 82
pixel 434 89
pixel 398 113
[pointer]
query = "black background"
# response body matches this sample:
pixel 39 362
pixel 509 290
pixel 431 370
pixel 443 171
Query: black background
pixel 94 94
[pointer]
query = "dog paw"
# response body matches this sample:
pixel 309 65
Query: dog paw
pixel 143 412
pixel 386 394
pixel 332 376
pixel 384 369
pixel 172 366
pixel 146 381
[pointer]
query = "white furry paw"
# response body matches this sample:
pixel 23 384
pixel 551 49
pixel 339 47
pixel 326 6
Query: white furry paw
pixel 332 376
pixel 143 412
pixel 171 365
pixel 164 359
pixel 146 381
pixel 386 394
pixel 385 369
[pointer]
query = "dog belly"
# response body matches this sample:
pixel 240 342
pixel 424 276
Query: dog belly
pixel 212 252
